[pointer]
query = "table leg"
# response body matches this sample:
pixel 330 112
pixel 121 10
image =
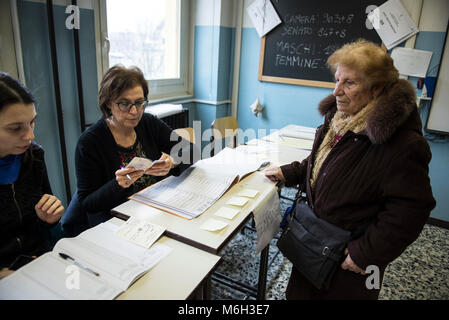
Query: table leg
pixel 263 269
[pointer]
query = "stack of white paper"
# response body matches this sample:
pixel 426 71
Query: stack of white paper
pixel 393 23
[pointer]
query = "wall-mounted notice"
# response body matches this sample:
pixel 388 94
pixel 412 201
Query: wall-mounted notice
pixel 296 51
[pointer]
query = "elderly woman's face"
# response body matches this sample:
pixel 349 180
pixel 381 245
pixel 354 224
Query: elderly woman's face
pixel 128 117
pixel 350 91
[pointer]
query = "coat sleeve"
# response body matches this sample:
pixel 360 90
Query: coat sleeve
pixel 407 201
pixel 295 173
pixel 96 192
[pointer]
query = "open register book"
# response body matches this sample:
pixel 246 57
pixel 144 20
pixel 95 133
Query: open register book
pixel 201 185
pixel 113 264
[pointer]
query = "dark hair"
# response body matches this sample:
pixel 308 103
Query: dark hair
pixel 12 91
pixel 116 80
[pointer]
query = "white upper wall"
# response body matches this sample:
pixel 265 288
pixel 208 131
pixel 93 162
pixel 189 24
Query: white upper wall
pixel 215 13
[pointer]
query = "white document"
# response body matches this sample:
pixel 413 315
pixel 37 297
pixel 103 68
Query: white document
pixel 118 262
pixel 189 194
pixel 140 232
pixel 411 62
pixel 263 15
pixel 213 225
pixel 267 218
pixel 392 23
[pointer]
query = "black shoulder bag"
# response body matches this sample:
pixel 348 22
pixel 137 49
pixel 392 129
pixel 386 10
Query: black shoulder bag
pixel 314 246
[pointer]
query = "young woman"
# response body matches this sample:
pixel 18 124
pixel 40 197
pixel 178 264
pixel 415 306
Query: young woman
pixel 28 208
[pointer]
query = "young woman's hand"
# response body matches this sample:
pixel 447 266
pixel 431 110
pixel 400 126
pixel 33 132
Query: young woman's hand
pixel 49 209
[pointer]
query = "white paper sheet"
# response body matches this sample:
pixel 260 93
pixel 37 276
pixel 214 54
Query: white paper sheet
pixel 263 15
pixel 411 62
pixel 140 232
pixel 213 225
pixel 227 212
pixel 393 23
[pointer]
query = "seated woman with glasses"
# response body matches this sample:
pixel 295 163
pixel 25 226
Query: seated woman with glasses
pixel 106 147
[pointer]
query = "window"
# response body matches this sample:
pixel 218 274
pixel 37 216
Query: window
pixel 150 34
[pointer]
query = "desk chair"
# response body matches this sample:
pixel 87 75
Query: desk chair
pixel 223 128
pixel 187 133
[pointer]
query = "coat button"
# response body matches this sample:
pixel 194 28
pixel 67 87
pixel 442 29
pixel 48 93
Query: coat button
pixel 356 139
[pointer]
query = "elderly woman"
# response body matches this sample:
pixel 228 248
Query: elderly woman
pixel 28 208
pixel 105 148
pixel 368 166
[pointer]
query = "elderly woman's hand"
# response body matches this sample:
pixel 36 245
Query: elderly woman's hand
pixel 162 166
pixel 274 174
pixel 348 264
pixel 127 176
pixel 49 209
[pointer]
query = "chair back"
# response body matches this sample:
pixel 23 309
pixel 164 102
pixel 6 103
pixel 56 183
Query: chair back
pixel 223 128
pixel 187 133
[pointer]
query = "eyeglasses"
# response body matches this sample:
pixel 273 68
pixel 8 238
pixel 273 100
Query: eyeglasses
pixel 126 107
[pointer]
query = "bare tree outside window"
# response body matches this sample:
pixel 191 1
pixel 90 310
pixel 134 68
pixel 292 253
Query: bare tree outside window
pixel 145 33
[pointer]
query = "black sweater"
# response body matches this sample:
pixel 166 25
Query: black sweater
pixel 21 231
pixel 97 159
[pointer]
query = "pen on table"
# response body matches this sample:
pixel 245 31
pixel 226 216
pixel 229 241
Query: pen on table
pixel 69 258
pixel 127 175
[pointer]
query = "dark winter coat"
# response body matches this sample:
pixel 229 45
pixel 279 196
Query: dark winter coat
pixel 378 176
pixel 21 231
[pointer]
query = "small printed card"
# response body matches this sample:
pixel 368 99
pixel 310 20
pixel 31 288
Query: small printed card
pixel 140 232
pixel 141 163
pixel 249 193
pixel 227 212
pixel 237 201
pixel 213 225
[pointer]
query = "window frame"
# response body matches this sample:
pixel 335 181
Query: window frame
pixel 162 89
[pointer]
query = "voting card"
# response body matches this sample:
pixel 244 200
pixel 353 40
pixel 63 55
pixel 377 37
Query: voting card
pixel 237 201
pixel 227 212
pixel 140 232
pixel 141 163
pixel 249 193
pixel 213 225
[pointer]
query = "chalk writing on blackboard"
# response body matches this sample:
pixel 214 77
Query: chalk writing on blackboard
pixel 297 50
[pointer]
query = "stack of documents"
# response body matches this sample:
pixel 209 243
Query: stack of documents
pixel 97 264
pixel 200 186
pixel 392 23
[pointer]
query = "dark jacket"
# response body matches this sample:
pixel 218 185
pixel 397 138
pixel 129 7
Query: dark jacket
pixel 21 231
pixel 97 160
pixel 378 176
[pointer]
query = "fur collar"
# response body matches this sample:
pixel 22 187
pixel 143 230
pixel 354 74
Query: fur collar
pixel 392 109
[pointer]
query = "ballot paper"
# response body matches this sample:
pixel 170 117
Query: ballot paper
pixel 263 16
pixel 227 212
pixel 249 193
pixel 213 225
pixel 140 232
pixel 392 23
pixel 141 163
pixel 237 201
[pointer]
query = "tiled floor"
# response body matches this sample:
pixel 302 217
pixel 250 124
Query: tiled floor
pixel 420 273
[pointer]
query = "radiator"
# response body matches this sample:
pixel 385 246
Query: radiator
pixel 177 120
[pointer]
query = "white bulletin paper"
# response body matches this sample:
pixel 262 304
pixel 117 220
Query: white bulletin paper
pixel 263 15
pixel 411 62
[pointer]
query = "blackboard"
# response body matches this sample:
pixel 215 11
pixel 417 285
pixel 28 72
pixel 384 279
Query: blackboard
pixel 296 51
